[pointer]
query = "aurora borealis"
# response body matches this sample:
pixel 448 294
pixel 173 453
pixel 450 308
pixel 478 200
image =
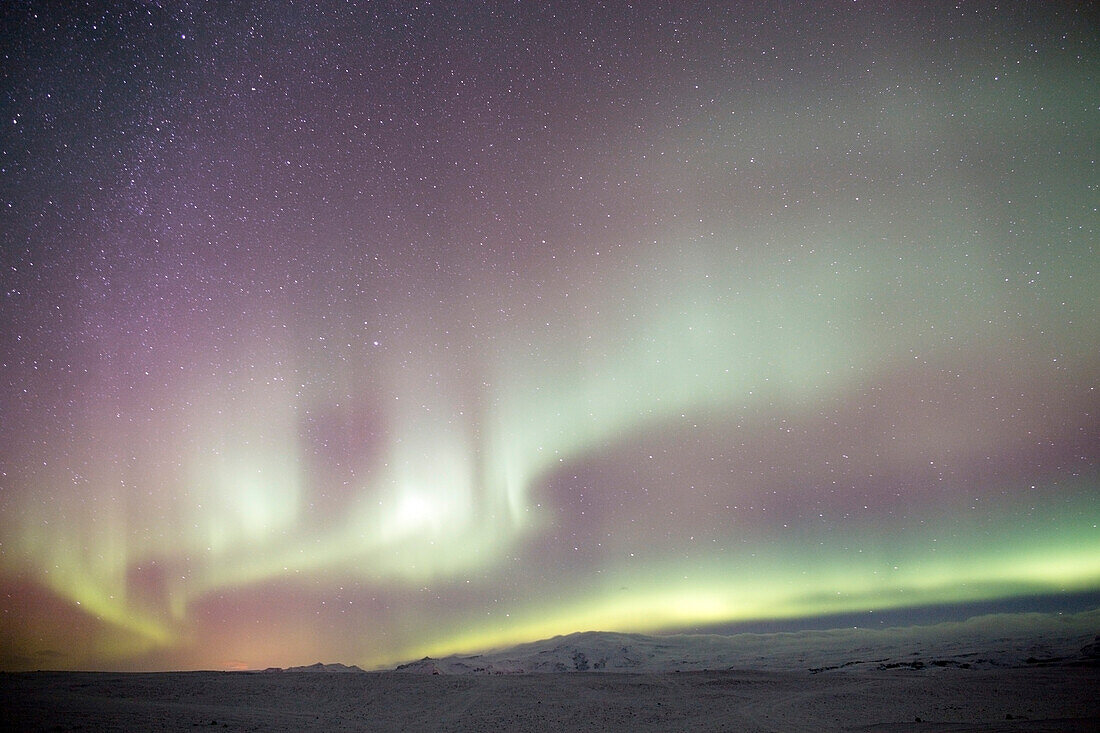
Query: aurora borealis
pixel 363 331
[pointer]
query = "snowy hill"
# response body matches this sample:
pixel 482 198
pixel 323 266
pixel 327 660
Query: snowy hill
pixel 1002 640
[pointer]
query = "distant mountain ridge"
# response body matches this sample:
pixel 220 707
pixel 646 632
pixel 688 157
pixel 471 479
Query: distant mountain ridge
pixel 319 667
pixel 578 652
pixel 999 640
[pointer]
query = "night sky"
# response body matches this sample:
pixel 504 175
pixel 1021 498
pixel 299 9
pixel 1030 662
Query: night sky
pixel 363 331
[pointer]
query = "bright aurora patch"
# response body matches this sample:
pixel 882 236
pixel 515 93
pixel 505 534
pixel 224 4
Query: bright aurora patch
pixel 362 333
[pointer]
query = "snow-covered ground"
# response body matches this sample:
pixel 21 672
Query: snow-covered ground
pixel 998 673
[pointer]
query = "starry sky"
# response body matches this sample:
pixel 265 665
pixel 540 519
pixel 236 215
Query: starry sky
pixel 362 331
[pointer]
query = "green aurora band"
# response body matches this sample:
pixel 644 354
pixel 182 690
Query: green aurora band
pixel 882 397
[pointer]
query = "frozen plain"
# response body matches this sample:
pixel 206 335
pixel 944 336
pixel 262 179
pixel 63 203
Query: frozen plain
pixel 998 673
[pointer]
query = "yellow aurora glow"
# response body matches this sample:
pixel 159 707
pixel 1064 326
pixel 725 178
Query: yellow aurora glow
pixel 361 368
